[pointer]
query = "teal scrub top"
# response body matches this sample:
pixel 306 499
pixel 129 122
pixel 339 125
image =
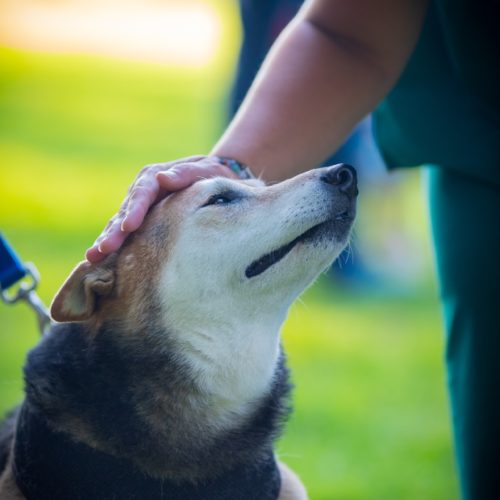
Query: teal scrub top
pixel 445 107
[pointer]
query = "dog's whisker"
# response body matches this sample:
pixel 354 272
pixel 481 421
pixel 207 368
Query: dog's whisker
pixel 202 334
pixel 303 303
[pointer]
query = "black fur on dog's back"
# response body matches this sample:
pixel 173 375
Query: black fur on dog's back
pixel 131 397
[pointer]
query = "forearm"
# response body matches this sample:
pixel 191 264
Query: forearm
pixel 315 86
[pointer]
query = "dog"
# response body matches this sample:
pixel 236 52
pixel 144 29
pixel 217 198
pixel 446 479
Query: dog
pixel 163 376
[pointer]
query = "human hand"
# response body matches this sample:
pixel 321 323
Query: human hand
pixel 153 183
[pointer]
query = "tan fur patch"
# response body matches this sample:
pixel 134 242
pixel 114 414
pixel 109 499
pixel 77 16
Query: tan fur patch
pixel 8 486
pixel 291 486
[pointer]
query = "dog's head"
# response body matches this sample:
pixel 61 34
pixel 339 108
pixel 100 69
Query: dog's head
pixel 222 260
pixel 239 242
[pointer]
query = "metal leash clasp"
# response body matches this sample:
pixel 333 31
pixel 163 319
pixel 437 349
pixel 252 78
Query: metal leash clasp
pixel 25 291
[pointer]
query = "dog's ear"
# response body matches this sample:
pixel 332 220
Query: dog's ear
pixel 78 298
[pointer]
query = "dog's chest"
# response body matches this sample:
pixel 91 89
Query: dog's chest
pixel 49 466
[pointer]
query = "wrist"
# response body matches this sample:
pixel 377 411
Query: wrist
pixel 240 169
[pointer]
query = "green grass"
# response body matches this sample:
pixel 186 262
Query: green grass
pixel 370 418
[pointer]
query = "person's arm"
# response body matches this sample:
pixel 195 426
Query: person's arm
pixel 329 68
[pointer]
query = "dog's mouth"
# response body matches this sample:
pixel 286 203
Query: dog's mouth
pixel 269 259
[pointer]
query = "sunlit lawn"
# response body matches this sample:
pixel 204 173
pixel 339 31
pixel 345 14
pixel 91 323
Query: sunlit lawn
pixel 370 417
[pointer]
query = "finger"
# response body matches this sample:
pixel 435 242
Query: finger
pixel 183 175
pixel 138 203
pixel 93 255
pixel 135 216
pixel 112 240
pixel 109 240
pixel 153 168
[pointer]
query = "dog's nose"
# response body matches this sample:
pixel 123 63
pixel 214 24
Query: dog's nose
pixel 344 177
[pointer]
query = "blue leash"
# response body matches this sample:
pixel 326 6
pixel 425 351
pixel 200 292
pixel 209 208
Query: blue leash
pixel 26 278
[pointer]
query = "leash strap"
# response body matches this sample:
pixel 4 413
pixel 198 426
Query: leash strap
pixel 25 276
pixel 11 267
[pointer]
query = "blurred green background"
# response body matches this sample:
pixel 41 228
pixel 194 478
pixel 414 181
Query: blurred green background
pixel 371 418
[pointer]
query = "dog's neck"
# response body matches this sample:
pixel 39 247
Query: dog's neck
pixel 231 342
pixel 138 400
pixel 233 354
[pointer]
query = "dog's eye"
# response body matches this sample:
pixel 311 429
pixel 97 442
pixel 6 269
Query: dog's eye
pixel 219 199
